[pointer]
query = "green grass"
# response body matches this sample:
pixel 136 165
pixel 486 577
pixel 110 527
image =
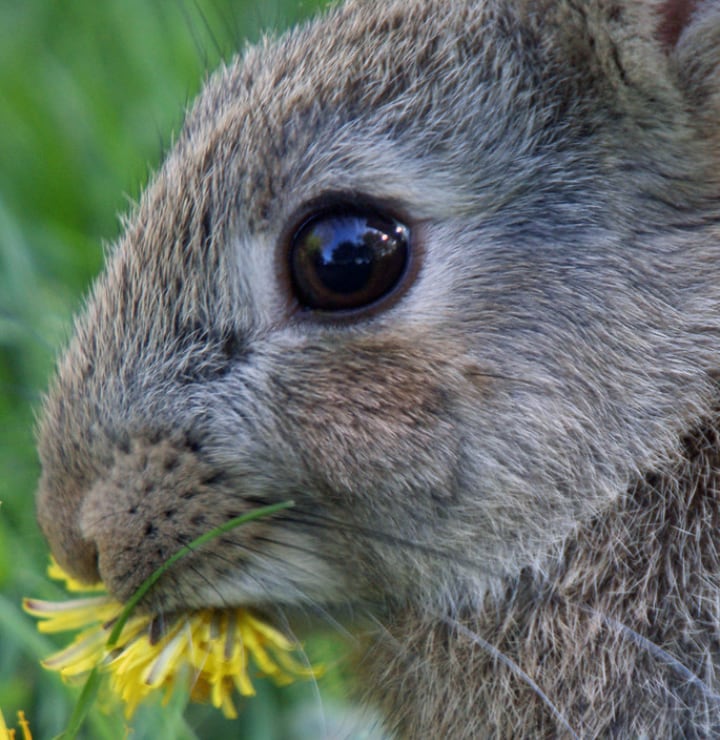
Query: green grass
pixel 91 92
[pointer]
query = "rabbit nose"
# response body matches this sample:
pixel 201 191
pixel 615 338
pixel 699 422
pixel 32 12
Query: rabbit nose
pixel 58 515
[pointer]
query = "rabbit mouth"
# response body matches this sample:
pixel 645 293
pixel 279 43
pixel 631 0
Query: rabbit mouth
pixel 157 497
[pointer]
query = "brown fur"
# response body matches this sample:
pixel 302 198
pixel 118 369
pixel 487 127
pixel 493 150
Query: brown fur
pixel 512 468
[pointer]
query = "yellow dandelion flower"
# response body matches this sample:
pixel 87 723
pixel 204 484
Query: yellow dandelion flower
pixel 11 734
pixel 210 648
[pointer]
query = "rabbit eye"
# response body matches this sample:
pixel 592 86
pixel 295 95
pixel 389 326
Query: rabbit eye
pixel 347 259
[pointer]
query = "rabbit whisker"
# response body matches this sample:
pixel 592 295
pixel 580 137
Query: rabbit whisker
pixel 318 520
pixel 501 657
pixel 657 652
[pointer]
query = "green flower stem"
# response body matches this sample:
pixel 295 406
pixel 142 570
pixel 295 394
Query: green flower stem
pixel 83 705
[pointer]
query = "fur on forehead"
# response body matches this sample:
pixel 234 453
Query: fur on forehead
pixel 381 73
pixel 361 110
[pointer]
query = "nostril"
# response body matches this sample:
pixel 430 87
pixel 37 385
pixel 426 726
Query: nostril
pixel 59 521
pixel 80 560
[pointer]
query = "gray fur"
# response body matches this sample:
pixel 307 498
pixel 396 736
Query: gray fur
pixel 522 443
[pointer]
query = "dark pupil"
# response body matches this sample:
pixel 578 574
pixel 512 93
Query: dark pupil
pixel 347 261
pixel 343 258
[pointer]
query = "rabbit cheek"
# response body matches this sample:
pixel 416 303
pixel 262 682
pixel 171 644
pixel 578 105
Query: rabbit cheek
pixel 376 424
pixel 386 410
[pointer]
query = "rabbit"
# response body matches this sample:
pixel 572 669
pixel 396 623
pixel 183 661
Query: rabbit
pixel 446 274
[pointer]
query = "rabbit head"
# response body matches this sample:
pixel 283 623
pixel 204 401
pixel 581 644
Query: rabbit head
pixel 442 274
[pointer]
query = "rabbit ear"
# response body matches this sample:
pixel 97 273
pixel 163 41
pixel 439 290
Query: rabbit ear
pixel 675 16
pixel 692 32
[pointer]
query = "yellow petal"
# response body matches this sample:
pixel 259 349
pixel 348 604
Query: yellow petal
pixel 65 616
pixel 275 637
pixel 86 651
pixel 167 661
pixel 24 726
pixel 6 734
pixel 207 649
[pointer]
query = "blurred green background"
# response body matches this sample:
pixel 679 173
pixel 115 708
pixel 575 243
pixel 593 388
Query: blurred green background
pixel 91 92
